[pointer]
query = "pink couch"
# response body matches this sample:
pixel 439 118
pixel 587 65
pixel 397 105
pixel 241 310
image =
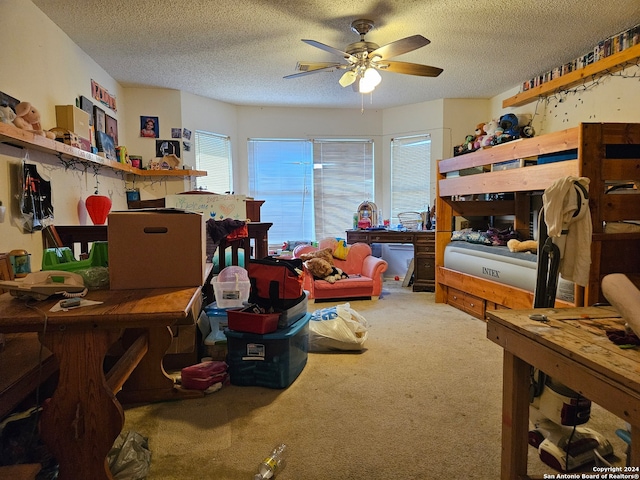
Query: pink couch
pixel 364 270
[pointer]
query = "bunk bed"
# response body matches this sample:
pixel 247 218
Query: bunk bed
pixel 471 186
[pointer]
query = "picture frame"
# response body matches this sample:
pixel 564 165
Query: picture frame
pixel 149 126
pixel 105 146
pixel 111 128
pixel 99 120
pixel 167 147
pixel 87 106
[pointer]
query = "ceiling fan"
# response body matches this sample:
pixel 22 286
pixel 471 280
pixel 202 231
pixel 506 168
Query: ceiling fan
pixel 364 59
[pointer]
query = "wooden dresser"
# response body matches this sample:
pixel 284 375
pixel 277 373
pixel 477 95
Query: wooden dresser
pixel 424 249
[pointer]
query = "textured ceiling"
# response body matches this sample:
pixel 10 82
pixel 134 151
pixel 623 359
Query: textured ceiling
pixel 239 51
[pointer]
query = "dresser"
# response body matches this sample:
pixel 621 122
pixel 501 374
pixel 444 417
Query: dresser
pixel 424 249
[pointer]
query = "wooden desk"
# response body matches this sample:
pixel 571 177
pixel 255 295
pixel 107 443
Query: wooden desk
pixel 424 251
pixel 573 350
pixel 83 417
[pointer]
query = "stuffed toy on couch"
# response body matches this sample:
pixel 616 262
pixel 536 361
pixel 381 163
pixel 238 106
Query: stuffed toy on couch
pixel 320 265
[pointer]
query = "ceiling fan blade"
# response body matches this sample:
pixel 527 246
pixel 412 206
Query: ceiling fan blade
pixel 404 45
pixel 309 68
pixel 329 49
pixel 409 68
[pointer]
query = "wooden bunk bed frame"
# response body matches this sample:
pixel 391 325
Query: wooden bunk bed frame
pixel 607 153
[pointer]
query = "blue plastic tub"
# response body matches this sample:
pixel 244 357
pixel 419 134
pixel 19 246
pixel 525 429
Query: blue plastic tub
pixel 272 360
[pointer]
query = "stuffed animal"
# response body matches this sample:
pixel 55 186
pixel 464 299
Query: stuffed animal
pixel 525 246
pixel 479 136
pixel 501 136
pixel 319 267
pixel 28 118
pixel 336 274
pixel 490 131
pixel 7 115
pixel 324 253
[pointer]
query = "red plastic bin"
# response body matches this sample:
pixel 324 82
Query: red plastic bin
pixel 250 322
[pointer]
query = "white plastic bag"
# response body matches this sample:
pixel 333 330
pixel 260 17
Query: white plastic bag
pixel 337 328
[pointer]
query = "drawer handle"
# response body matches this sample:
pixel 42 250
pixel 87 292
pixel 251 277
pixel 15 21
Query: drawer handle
pixel 455 297
pixel 472 304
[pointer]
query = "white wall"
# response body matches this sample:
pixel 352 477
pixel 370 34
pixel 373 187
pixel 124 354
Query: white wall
pixel 609 99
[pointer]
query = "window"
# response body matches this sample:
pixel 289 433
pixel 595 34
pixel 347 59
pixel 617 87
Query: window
pixel 311 188
pixel 410 174
pixel 213 155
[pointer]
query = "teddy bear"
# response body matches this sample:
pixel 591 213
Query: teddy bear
pixel 7 115
pixel 525 246
pixel 477 143
pixel 28 118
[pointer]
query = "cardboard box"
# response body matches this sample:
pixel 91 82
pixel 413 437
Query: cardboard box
pixel 159 248
pixel 74 119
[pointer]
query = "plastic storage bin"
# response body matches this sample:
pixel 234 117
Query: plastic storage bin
pixel 231 287
pixel 218 321
pixel 245 320
pixel 273 360
pixel 295 313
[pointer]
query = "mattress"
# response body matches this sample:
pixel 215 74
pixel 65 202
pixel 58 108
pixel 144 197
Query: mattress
pixel 516 269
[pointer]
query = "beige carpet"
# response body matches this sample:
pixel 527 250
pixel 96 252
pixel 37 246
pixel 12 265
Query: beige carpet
pixel 422 402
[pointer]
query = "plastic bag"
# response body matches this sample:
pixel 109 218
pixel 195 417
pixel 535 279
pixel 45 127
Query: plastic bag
pixel 337 328
pixel 130 457
pixel 36 207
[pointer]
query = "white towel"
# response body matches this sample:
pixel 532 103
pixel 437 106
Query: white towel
pixel 560 203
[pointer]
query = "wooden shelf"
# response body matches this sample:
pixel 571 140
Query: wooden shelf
pixel 611 63
pixel 21 138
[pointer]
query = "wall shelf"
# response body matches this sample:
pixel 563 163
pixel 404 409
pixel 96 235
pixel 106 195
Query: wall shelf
pixel 23 139
pixel 611 63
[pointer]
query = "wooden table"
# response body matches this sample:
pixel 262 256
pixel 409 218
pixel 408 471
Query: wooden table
pixel 573 349
pixel 424 251
pixel 83 417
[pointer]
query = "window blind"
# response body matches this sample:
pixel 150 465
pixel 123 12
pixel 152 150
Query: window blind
pixel 311 188
pixel 342 180
pixel 213 155
pixel 410 174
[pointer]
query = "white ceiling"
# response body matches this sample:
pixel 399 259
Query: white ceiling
pixel 239 51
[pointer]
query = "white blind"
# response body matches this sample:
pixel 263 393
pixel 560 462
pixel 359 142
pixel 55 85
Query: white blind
pixel 311 188
pixel 213 155
pixel 342 180
pixel 281 174
pixel 410 174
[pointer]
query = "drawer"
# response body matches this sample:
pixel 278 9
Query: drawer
pixel 424 266
pixel 466 302
pixel 426 247
pixel 390 237
pixel 354 237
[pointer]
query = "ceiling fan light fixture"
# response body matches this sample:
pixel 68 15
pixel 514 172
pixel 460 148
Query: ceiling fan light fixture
pixel 348 78
pixel 369 81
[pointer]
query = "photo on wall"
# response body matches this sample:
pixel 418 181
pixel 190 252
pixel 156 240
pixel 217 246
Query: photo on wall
pixel 149 127
pixel 111 126
pixel 99 119
pixel 167 147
